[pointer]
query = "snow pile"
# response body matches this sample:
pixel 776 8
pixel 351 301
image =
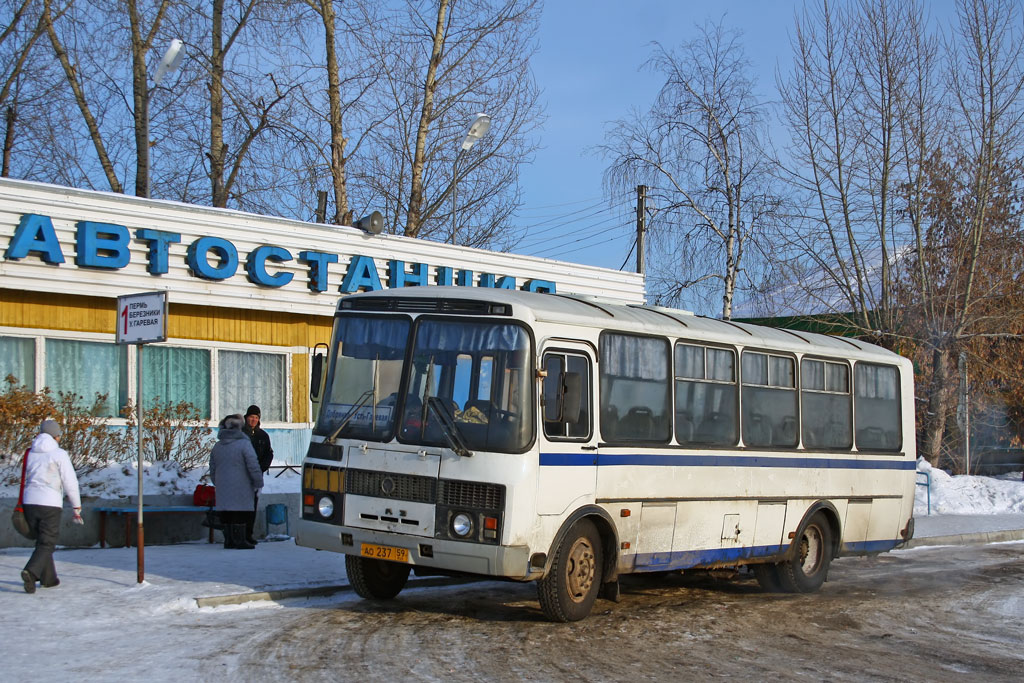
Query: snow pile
pixel 161 478
pixel 969 495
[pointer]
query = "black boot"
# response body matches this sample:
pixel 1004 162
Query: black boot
pixel 238 533
pixel 229 536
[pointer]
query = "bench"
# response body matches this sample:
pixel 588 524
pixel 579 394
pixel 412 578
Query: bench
pixel 130 513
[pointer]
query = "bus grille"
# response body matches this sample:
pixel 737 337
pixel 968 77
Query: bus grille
pixel 466 494
pixel 397 486
pixel 472 495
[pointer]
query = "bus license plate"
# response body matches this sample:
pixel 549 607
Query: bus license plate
pixel 385 552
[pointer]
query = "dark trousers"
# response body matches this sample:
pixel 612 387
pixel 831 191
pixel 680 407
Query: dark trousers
pixel 45 520
pixel 250 518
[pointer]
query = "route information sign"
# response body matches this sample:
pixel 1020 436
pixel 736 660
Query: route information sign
pixel 142 318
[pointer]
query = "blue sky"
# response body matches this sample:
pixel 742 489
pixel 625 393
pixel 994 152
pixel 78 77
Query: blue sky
pixel 588 67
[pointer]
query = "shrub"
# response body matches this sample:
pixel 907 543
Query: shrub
pixel 21 412
pixel 172 431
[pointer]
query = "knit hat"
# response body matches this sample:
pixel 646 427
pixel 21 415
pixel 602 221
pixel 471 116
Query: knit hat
pixel 253 410
pixel 50 427
pixel 232 422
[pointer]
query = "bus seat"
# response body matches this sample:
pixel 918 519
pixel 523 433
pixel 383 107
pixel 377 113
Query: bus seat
pixel 684 426
pixel 786 434
pixel 638 424
pixel 757 431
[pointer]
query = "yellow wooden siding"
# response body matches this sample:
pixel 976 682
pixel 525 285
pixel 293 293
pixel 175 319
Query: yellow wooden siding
pixel 300 387
pixel 74 313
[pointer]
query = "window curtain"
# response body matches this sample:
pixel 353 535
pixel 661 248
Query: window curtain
pixel 18 358
pixel 87 369
pixel 176 374
pixel 247 378
pixel 634 357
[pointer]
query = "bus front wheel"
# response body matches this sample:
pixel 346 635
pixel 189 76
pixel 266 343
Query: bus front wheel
pixel 805 571
pixel 375 579
pixel 568 591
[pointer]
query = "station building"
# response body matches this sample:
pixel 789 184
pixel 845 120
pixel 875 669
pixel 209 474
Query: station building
pixel 249 297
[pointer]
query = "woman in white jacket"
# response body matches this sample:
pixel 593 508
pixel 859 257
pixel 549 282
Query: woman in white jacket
pixel 49 476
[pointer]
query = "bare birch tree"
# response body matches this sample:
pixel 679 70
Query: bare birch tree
pixel 700 150
pixel 446 60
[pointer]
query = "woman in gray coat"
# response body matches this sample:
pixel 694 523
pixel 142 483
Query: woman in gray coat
pixel 235 472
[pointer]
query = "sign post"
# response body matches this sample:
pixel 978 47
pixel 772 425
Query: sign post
pixel 141 319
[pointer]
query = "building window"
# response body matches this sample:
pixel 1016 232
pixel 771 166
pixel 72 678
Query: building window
pixel 18 359
pixel 175 374
pixel 246 378
pixel 87 369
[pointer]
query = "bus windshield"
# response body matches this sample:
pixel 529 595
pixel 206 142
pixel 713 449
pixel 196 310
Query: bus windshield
pixel 467 383
pixel 359 401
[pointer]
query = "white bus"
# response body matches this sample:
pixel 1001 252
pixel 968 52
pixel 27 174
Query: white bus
pixel 565 440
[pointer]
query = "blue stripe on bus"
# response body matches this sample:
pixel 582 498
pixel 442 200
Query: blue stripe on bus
pixel 684 559
pixel 869 547
pixel 675 460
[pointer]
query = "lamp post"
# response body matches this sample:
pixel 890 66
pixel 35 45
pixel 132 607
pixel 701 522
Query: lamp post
pixel 170 61
pixel 477 129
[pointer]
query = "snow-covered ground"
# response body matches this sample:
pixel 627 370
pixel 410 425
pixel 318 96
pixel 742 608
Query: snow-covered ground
pixel 101 624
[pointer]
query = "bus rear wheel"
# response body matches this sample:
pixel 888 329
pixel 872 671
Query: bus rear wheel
pixel 568 591
pixel 375 579
pixel 805 571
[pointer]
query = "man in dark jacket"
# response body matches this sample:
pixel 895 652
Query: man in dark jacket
pixel 264 453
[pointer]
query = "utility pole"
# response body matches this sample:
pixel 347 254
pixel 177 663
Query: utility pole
pixel 641 213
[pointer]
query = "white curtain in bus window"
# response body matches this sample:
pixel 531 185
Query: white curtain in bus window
pixel 89 370
pixel 174 375
pixel 705 396
pixel 827 407
pixel 769 416
pixel 877 407
pixel 247 378
pixel 635 403
pixel 18 360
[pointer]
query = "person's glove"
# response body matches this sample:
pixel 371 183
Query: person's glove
pixel 77 518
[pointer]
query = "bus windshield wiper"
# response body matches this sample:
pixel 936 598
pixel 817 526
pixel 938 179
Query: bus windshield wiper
pixel 448 426
pixel 350 414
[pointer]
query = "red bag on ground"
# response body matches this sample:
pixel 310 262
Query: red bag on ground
pixel 205 495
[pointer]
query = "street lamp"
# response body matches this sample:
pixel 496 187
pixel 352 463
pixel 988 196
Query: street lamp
pixel 477 129
pixel 170 61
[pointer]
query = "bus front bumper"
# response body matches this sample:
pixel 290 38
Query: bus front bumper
pixel 511 562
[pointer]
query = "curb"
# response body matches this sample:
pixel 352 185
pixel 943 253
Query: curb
pixel 314 592
pixel 968 539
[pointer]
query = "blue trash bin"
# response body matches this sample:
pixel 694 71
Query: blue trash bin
pixel 277 513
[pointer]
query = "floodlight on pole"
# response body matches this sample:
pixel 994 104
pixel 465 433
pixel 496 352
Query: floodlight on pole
pixel 168 63
pixel 481 124
pixel 477 129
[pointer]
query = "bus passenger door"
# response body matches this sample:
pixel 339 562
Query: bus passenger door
pixel 568 443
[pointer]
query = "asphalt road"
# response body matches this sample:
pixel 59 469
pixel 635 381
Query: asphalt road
pixel 927 614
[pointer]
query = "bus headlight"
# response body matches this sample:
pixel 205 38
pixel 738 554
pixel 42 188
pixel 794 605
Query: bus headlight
pixel 462 525
pixel 326 506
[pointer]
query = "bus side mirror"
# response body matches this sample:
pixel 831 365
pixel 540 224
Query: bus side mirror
pixel 572 397
pixel 316 378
